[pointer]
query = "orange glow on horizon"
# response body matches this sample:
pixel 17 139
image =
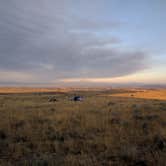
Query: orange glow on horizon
pixel 139 78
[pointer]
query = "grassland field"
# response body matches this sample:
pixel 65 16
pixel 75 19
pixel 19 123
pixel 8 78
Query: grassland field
pixel 113 127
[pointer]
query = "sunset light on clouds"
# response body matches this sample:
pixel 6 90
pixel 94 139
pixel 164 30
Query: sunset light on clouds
pixel 52 42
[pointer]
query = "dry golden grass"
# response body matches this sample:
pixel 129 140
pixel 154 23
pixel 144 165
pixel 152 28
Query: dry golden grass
pixel 6 90
pixel 103 130
pixel 14 90
pixel 159 94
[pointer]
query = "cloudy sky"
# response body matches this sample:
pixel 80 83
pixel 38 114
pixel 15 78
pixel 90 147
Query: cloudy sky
pixel 82 41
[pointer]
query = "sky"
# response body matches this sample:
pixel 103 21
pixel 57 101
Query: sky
pixel 69 42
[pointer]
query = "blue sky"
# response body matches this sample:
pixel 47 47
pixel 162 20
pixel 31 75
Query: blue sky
pixel 74 41
pixel 142 23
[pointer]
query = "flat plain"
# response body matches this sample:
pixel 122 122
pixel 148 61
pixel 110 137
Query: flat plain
pixel 110 127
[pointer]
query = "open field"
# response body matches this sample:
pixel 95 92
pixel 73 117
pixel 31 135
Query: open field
pixel 118 127
pixel 11 90
pixel 159 94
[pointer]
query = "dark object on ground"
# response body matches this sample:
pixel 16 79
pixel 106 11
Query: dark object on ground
pixel 111 103
pixel 77 98
pixel 159 143
pixel 52 99
pixel 2 135
pixel 141 163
